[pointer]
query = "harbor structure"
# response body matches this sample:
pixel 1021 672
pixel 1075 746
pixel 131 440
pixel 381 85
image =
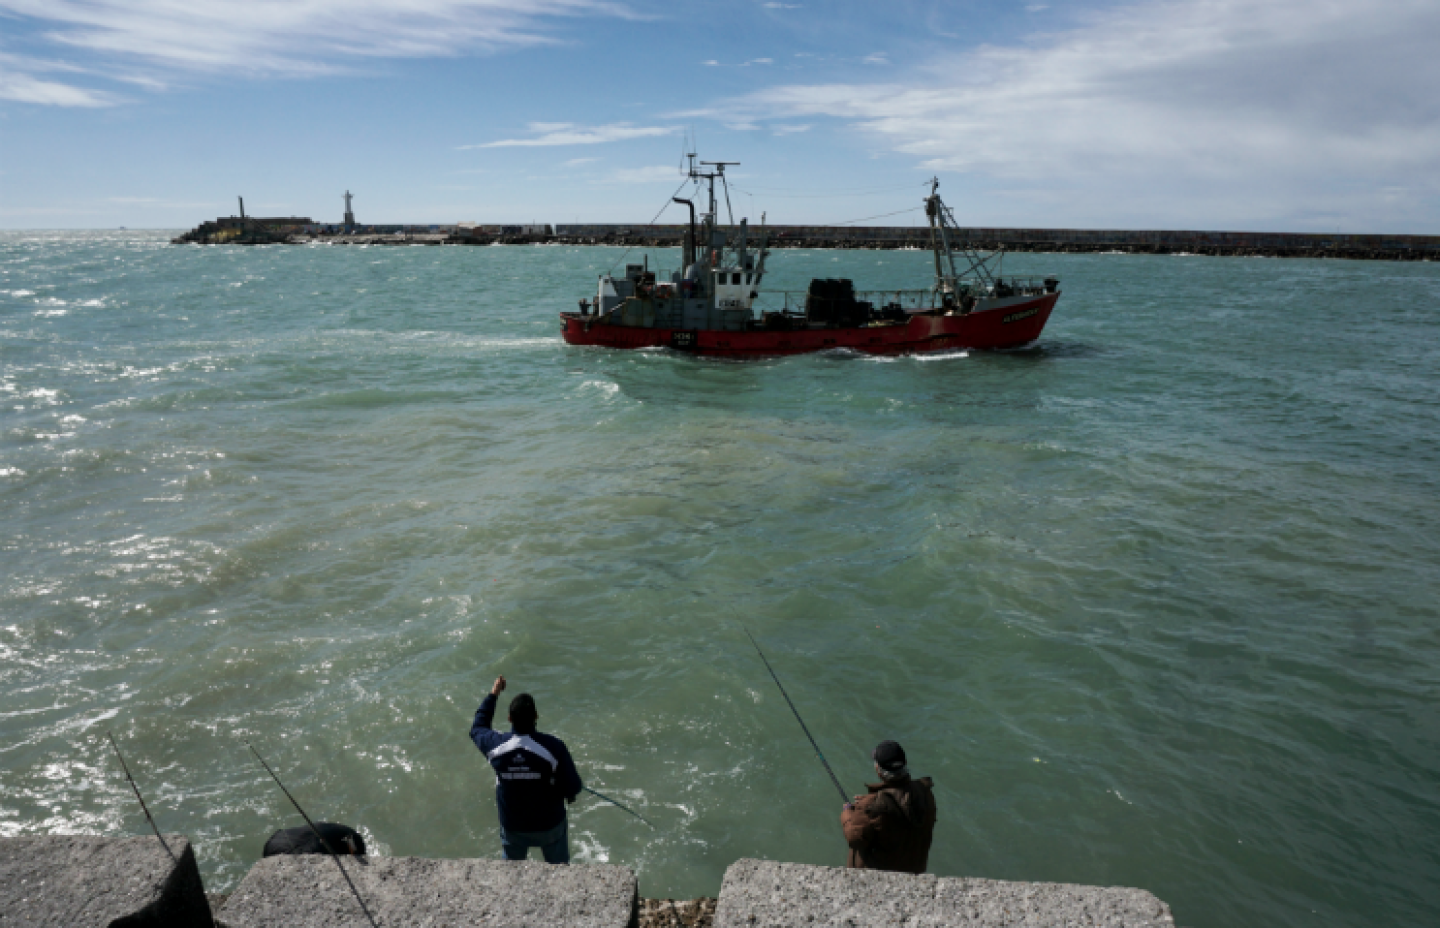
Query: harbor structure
pixel 349 215
pixel 295 230
pixel 95 881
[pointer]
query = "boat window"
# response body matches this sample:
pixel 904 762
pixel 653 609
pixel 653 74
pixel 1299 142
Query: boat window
pixel 735 278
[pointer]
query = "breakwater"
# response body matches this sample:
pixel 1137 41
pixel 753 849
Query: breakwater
pixel 84 881
pixel 1064 241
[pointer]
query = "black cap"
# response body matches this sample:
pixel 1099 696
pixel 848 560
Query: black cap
pixel 889 755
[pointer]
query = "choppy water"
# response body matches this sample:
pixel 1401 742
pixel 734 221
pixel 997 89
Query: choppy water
pixel 1154 602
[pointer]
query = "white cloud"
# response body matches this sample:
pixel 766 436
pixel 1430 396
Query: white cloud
pixel 790 129
pixel 576 162
pixel 564 133
pixel 1173 110
pixel 712 63
pixel 295 36
pixel 27 88
pixel 20 81
pixel 877 58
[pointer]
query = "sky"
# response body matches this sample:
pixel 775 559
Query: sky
pixel 1260 115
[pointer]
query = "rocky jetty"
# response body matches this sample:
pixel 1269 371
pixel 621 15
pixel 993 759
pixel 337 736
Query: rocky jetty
pixel 296 231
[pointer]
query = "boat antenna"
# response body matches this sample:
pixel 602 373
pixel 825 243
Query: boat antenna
pixel 719 167
pixel 321 838
pixel 143 807
pixel 618 805
pixel 844 797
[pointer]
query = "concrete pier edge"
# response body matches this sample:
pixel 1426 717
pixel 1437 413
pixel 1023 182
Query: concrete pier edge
pixel 79 881
pixel 301 891
pixel 772 894
pixel 87 881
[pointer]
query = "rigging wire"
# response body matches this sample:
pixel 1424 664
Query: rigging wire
pixel 823 196
pixel 913 209
pixel 648 225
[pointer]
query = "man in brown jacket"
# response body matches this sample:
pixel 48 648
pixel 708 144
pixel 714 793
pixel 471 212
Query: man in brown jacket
pixel 890 829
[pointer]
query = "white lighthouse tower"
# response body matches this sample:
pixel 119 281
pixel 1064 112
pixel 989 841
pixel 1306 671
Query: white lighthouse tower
pixel 349 215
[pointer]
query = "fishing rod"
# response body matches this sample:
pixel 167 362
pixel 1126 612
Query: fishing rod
pixel 146 809
pixel 844 797
pixel 618 805
pixel 323 843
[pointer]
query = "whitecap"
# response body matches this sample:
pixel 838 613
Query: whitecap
pixel 943 355
pixel 589 850
pixel 606 387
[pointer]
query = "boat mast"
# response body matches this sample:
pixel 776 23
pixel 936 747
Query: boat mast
pixel 940 240
pixel 719 167
pixel 713 219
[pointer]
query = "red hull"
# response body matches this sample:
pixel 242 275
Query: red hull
pixel 1010 326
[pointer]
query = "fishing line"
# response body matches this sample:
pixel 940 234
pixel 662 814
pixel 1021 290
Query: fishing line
pixel 844 797
pixel 618 805
pixel 146 809
pixel 323 843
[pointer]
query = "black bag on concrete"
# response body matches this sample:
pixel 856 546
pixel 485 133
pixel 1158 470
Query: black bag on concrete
pixel 342 840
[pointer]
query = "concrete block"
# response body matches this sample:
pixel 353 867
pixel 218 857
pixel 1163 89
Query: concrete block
pixel 77 882
pixel 767 894
pixel 309 892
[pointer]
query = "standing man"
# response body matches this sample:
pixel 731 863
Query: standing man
pixel 891 828
pixel 534 778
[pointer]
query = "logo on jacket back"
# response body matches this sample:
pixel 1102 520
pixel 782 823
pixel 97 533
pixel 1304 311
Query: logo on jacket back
pixel 513 755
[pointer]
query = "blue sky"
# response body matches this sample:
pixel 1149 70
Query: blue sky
pixel 1304 115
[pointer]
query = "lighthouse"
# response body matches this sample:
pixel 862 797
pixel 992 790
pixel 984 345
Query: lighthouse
pixel 349 215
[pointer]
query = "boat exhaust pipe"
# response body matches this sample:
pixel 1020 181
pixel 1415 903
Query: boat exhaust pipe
pixel 689 257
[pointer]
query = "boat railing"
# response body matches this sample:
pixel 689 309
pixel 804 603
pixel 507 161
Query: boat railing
pixel 793 301
pixel 1027 286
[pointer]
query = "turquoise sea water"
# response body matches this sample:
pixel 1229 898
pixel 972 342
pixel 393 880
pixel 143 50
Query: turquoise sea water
pixel 1153 601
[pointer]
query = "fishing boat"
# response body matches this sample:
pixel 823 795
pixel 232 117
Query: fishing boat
pixel 714 306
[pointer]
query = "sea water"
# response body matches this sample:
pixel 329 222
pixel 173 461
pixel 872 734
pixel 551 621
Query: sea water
pixel 1154 601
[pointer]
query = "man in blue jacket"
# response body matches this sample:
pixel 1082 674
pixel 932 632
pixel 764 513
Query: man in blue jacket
pixel 534 778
